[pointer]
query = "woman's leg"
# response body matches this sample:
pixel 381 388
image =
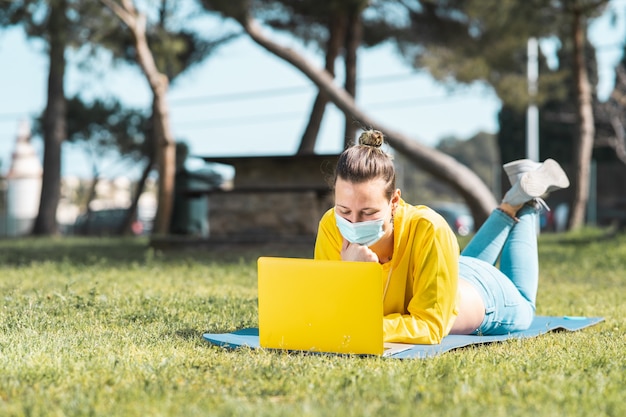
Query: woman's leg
pixel 489 240
pixel 519 260
pixel 508 293
pixel 531 181
pixel 506 310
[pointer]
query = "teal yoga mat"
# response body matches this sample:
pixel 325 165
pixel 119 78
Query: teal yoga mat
pixel 542 324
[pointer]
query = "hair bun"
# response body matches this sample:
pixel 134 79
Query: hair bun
pixel 372 138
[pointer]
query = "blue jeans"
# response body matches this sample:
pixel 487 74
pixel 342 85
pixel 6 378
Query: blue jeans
pixel 509 293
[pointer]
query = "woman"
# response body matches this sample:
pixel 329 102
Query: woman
pixel 429 290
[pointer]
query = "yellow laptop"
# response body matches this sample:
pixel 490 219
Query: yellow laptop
pixel 322 306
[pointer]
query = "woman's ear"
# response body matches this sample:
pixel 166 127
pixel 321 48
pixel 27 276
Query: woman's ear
pixel 395 199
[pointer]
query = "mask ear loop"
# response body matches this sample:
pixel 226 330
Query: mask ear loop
pixel 393 213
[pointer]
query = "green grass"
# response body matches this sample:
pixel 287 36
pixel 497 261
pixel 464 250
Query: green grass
pixel 111 327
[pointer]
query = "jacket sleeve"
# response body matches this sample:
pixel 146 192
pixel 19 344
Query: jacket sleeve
pixel 433 305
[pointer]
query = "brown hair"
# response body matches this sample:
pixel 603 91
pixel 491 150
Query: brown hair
pixel 366 161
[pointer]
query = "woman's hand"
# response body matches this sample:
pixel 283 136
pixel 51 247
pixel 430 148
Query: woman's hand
pixel 356 252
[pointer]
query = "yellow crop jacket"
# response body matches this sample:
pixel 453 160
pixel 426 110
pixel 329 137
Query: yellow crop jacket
pixel 420 305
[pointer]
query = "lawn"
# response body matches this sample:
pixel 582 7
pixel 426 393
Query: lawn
pixel 111 327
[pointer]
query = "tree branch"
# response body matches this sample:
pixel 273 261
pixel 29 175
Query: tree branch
pixel 121 11
pixel 460 177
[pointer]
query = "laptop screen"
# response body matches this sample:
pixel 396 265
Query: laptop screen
pixel 322 306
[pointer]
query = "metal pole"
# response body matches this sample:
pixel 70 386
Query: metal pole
pixel 532 113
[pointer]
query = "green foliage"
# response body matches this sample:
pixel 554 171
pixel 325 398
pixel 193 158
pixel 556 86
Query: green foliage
pixel 108 125
pixel 106 128
pixel 308 20
pixel 111 327
pixel 465 41
pixel 236 9
pixel 174 45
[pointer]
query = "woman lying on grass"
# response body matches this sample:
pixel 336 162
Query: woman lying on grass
pixel 429 290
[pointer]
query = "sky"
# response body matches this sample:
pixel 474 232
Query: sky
pixel 243 101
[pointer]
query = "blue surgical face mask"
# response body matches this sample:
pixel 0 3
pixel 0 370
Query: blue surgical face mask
pixel 363 233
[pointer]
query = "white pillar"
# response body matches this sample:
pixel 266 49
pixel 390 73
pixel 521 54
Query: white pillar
pixel 23 185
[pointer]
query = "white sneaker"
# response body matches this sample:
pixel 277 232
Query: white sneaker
pixel 548 177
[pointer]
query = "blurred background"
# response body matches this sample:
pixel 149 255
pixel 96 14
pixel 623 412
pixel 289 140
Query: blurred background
pixel 111 127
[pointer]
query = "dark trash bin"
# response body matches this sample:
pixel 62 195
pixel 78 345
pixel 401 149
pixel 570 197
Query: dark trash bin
pixel 190 211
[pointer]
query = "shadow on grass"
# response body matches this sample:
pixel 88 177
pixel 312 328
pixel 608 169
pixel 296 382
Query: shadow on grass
pixel 77 250
pixel 120 251
pixel 230 252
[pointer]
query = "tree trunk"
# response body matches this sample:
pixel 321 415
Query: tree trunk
pixel 127 224
pixel 54 124
pixel 586 129
pixel 477 195
pixel 166 161
pixel 353 40
pixel 337 31
pixel 165 145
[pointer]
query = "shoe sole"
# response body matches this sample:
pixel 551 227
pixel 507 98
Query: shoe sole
pixel 548 177
pixel 520 166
